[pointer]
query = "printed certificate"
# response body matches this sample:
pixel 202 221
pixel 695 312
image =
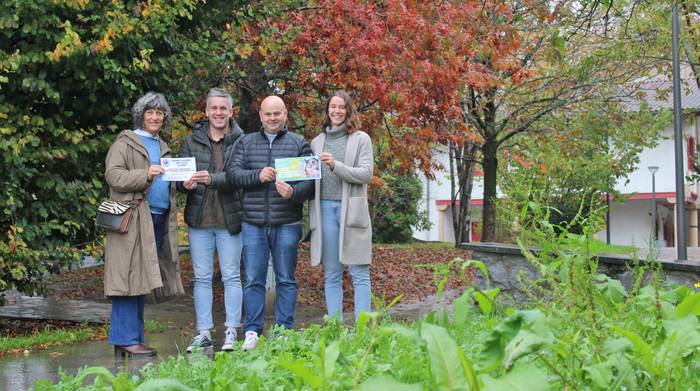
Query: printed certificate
pixel 298 168
pixel 178 169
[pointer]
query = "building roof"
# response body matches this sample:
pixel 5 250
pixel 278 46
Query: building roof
pixel 657 92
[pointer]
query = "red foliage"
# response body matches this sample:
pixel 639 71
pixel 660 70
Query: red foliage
pixel 407 64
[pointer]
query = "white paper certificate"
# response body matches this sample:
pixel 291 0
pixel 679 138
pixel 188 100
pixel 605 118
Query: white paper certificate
pixel 178 169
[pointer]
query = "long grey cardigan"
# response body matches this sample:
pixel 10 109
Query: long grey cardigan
pixel 355 226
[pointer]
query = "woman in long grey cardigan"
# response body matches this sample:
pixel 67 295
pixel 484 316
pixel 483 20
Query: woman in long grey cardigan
pixel 341 231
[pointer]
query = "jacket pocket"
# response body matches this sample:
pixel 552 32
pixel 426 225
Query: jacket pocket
pixel 357 214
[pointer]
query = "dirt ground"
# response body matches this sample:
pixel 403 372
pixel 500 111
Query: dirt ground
pixel 394 272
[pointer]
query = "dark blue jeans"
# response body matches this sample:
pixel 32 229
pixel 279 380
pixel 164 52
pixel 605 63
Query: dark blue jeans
pixel 126 324
pixel 258 243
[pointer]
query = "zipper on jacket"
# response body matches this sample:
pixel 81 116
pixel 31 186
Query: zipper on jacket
pixel 267 187
pixel 206 188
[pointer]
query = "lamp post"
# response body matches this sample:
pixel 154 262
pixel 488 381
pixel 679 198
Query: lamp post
pixel 682 242
pixel 653 170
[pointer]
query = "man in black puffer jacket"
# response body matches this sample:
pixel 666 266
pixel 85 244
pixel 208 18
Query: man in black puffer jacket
pixel 272 213
pixel 213 216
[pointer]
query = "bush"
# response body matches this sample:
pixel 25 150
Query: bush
pixel 394 208
pixel 69 73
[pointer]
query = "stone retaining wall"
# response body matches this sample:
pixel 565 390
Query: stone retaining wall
pixel 505 263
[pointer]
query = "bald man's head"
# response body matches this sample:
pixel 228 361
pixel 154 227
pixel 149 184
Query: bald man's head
pixel 273 114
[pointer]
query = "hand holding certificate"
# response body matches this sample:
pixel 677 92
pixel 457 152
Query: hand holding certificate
pixel 297 168
pixel 178 169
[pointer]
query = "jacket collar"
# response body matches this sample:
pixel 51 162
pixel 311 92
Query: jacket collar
pixel 200 132
pixel 278 135
pixel 131 138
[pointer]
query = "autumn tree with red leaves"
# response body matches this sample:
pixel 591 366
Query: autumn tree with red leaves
pixel 471 75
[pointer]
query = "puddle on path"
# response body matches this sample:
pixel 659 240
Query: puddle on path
pixel 19 373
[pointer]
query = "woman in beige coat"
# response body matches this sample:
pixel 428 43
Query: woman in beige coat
pixel 341 231
pixel 132 267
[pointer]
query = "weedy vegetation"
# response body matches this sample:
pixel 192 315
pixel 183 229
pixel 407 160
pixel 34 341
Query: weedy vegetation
pixel 577 330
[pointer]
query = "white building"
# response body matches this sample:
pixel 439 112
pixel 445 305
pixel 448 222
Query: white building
pixel 631 222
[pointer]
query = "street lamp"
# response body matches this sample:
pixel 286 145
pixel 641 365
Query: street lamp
pixel 653 170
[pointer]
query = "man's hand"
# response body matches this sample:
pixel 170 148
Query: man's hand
pixel 154 170
pixel 284 189
pixel 190 184
pixel 197 177
pixel 267 174
pixel 328 159
pixel 202 177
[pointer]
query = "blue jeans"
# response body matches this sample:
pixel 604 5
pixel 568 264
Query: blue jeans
pixel 258 243
pixel 203 242
pixel 333 269
pixel 160 221
pixel 126 323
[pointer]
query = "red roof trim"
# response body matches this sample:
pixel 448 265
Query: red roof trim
pixel 631 197
pixel 647 196
pixel 448 203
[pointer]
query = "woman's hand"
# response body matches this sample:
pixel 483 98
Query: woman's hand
pixel 154 171
pixel 328 159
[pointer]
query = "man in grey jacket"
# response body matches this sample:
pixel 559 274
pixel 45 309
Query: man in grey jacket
pixel 212 214
pixel 272 213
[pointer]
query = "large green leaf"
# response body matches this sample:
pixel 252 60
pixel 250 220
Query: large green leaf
pixel 462 306
pixel 298 368
pixel 525 377
pixel 506 343
pixel 445 365
pixel 97 371
pixel 162 385
pixel 387 383
pixel 329 359
pixel 524 343
pixel 600 374
pixel 645 352
pixel 485 299
pixel 689 305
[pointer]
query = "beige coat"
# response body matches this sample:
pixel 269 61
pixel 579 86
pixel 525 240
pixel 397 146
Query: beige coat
pixel 355 226
pixel 132 265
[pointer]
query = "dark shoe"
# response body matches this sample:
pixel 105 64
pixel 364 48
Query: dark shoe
pixel 134 350
pixel 201 341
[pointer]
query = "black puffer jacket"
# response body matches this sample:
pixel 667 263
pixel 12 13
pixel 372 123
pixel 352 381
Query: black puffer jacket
pixel 262 204
pixel 198 145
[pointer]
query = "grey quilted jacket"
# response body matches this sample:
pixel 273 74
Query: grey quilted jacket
pixel 262 204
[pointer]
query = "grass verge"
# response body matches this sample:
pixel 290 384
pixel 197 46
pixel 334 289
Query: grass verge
pixel 59 336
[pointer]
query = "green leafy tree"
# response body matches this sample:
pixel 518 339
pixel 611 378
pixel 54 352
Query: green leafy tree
pixel 582 157
pixel 69 73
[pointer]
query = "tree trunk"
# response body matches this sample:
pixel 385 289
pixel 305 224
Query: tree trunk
pixel 490 158
pixel 462 161
pixel 251 91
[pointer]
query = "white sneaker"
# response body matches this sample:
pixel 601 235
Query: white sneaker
pixel 251 340
pixel 229 340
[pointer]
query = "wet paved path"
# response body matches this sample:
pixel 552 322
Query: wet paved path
pixel 20 372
